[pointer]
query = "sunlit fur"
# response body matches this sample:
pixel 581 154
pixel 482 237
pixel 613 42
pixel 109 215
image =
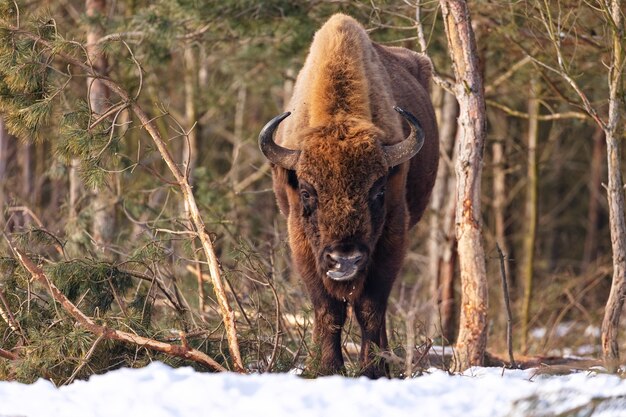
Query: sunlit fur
pixel 342 115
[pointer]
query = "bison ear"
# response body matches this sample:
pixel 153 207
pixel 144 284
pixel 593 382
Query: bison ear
pixel 292 179
pixel 409 147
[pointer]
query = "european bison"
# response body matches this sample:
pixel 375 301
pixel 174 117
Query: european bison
pixel 352 176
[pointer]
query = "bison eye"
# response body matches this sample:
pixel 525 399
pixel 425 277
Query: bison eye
pixel 377 192
pixel 380 194
pixel 308 196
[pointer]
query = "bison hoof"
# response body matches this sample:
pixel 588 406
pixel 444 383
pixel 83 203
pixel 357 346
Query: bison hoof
pixel 377 370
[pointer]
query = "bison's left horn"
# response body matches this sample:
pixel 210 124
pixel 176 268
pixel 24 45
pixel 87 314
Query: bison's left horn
pixel 409 147
pixel 283 157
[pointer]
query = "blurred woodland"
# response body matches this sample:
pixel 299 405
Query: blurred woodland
pixel 94 207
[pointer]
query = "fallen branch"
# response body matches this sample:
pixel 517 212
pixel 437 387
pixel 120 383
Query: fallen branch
pixel 8 355
pixel 105 332
pixel 181 180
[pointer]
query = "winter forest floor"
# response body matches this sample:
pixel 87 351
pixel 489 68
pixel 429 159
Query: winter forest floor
pixel 160 391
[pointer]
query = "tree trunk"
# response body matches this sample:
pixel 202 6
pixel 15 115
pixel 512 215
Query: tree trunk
pixel 595 189
pixel 27 166
pixel 190 146
pixel 530 221
pixel 190 152
pixel 615 190
pixel 76 189
pixel 4 150
pixel 500 126
pixel 103 202
pixel 442 242
pixel 469 90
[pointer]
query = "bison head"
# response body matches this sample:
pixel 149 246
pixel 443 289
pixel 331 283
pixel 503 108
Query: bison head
pixel 338 181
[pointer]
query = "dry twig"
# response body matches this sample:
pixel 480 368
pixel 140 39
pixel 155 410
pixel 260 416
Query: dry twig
pixel 102 331
pixel 193 212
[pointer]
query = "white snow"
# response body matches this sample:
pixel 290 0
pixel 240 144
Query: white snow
pixel 161 391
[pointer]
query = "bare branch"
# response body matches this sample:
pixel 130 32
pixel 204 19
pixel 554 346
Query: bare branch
pixel 522 115
pixel 193 212
pixel 8 355
pixel 102 331
pixel 441 82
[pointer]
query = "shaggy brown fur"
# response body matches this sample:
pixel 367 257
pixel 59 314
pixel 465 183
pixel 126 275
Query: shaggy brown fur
pixel 342 193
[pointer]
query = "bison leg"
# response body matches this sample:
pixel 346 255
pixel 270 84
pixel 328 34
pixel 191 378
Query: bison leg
pixel 330 315
pixel 370 313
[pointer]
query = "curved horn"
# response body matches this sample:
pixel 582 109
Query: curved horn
pixel 409 147
pixel 283 157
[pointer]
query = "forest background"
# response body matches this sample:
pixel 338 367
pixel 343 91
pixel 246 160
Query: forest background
pixel 93 205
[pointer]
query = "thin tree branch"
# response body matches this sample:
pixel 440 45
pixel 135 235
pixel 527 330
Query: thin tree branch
pixel 507 303
pixel 522 115
pixel 8 355
pixel 193 212
pixel 440 81
pixel 102 331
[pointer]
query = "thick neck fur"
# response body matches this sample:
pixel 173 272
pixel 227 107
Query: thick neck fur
pixel 339 87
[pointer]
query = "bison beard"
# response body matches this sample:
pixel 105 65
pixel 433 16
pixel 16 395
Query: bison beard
pixel 352 178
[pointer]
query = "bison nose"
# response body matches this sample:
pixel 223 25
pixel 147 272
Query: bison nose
pixel 342 265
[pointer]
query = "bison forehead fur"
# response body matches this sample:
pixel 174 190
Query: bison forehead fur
pixel 349 205
pixel 341 167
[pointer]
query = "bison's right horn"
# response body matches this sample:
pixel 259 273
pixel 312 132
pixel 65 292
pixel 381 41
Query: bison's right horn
pixel 283 157
pixel 409 147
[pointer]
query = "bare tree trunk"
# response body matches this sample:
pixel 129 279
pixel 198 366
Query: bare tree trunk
pixel 447 273
pixel 530 221
pixel 76 189
pixel 190 147
pixel 4 150
pixel 442 242
pixel 27 166
pixel 615 190
pixel 179 177
pixel 190 151
pixel 103 203
pixel 595 188
pixel 472 338
pixel 500 127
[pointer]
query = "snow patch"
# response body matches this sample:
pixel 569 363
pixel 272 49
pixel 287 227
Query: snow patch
pixel 160 391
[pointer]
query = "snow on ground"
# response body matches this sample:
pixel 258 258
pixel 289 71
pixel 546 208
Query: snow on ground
pixel 161 391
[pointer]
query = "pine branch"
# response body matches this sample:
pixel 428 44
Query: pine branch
pixel 8 355
pixel 102 331
pixel 193 212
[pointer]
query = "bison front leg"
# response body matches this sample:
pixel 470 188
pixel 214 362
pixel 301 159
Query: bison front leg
pixel 370 313
pixel 330 315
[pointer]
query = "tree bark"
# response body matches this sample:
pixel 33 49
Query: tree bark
pixel 190 146
pixel 530 221
pixel 25 193
pixel 76 188
pixel 103 202
pixel 615 190
pixel 181 181
pixel 442 242
pixel 595 188
pixel 4 150
pixel 500 126
pixel 472 338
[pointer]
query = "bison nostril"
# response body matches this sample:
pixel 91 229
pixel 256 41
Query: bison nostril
pixel 336 258
pixel 332 259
